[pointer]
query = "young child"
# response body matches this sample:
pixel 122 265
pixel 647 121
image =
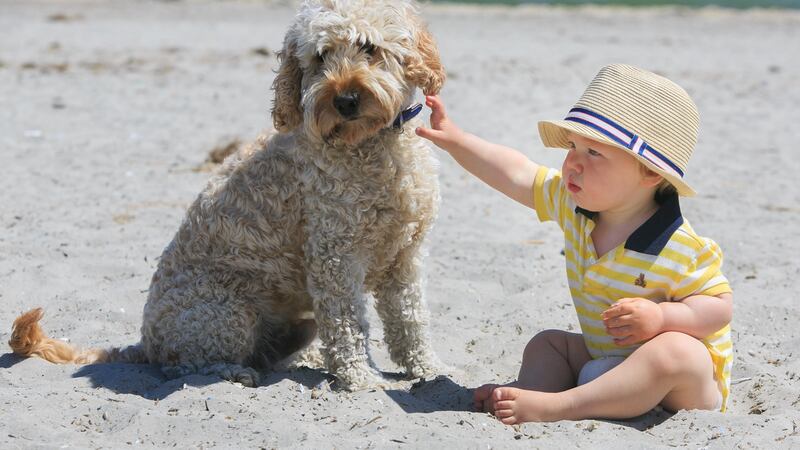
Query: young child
pixel 653 305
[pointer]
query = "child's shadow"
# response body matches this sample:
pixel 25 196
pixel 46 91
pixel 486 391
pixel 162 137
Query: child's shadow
pixel 439 394
pixel 648 420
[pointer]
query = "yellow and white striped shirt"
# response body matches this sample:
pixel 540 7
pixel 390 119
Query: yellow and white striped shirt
pixel 663 260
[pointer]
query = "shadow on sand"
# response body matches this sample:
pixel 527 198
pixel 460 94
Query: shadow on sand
pixel 9 360
pixel 442 394
pixel 427 396
pixel 147 380
pixel 652 418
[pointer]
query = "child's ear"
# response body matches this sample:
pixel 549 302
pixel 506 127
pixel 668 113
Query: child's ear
pixel 651 179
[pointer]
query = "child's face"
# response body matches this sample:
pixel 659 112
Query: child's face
pixel 601 177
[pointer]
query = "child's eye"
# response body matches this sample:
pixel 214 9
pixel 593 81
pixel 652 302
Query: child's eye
pixel 594 153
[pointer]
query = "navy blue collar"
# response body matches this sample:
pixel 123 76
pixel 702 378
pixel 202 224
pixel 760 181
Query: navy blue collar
pixel 652 236
pixel 406 115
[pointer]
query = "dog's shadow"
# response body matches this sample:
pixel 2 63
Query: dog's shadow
pixel 9 360
pixel 145 380
pixel 148 381
pixel 438 394
pixel 426 396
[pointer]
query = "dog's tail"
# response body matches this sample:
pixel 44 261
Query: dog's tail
pixel 28 339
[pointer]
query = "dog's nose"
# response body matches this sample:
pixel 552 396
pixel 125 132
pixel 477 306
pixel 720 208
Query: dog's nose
pixel 347 104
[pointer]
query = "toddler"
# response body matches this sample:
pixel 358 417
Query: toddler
pixel 653 305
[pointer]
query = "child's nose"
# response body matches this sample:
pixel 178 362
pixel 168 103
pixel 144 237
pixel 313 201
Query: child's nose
pixel 573 161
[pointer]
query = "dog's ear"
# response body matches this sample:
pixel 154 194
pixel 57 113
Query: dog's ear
pixel 286 111
pixel 423 67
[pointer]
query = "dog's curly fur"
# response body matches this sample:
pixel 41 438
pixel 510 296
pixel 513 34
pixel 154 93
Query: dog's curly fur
pixel 296 229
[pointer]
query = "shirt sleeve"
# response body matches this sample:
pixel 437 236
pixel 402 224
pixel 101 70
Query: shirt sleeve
pixel 550 199
pixel 704 276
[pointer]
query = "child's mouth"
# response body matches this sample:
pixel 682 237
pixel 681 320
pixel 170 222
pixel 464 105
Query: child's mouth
pixel 572 187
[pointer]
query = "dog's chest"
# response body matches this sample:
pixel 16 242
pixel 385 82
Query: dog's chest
pixel 379 202
pixel 370 196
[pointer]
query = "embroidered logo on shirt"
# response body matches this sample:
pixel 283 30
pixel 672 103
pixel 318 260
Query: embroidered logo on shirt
pixel 640 281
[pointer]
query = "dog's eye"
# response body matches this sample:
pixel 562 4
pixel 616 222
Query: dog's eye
pixel 321 56
pixel 368 48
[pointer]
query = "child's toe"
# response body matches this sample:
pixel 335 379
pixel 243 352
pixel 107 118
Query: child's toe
pixel 503 404
pixel 503 413
pixel 511 420
pixel 504 393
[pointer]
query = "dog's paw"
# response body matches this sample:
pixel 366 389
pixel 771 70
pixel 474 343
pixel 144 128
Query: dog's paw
pixel 363 380
pixel 310 357
pixel 178 371
pixel 428 367
pixel 247 377
pixel 231 372
pixel 235 373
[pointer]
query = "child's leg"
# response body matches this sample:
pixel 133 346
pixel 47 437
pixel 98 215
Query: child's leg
pixel 551 362
pixel 673 369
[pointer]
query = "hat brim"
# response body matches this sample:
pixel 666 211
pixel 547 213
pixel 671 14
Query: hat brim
pixel 554 134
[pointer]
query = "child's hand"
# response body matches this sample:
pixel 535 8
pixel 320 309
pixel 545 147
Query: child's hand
pixel 633 320
pixel 443 132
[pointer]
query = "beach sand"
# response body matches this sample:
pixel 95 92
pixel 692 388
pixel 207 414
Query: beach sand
pixel 109 110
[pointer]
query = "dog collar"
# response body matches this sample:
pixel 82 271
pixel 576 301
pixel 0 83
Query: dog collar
pixel 406 115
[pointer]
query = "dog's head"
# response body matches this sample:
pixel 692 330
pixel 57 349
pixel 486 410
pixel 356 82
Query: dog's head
pixel 348 67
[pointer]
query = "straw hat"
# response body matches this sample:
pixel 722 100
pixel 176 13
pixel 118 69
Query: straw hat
pixel 638 111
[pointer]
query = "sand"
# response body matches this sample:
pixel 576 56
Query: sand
pixel 109 110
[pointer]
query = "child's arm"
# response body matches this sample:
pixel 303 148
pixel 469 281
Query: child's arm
pixel 698 315
pixel 502 168
pixel 633 320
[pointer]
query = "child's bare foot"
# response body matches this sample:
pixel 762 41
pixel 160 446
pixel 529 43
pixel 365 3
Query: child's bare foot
pixel 513 405
pixel 482 398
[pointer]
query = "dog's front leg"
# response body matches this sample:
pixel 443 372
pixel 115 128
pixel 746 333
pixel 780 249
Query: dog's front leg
pixel 401 307
pixel 335 282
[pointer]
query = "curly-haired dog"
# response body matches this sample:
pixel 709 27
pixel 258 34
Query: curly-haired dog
pixel 295 230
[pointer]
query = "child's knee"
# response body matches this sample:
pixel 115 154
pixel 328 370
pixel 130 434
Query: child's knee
pixel 552 338
pixel 674 353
